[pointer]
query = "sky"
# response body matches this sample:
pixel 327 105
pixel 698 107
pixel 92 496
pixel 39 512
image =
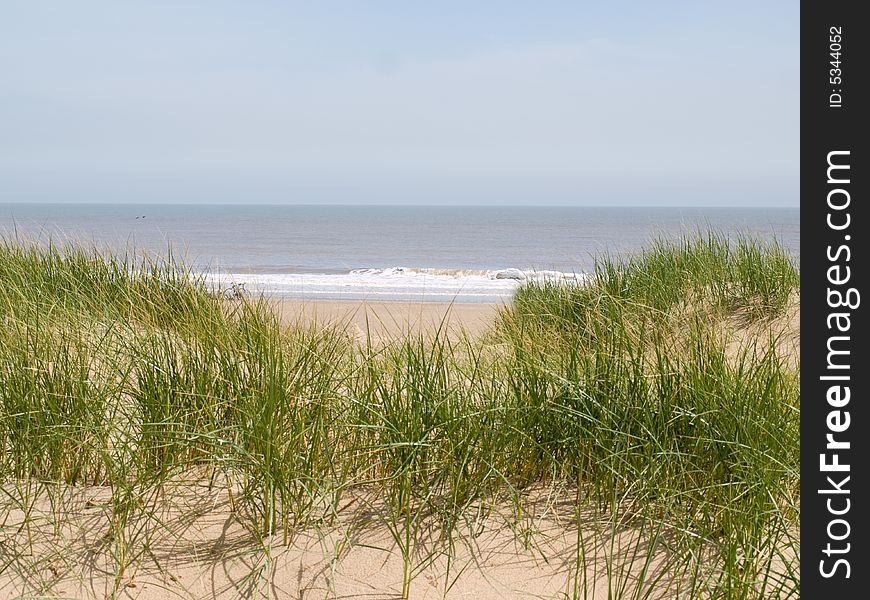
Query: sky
pixel 400 102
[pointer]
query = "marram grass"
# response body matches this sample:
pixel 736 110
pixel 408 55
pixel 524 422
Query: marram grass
pixel 620 395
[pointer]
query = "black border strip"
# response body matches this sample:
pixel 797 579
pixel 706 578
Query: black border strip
pixel 835 562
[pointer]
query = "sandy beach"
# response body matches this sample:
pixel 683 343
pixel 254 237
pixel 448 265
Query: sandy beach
pixel 383 320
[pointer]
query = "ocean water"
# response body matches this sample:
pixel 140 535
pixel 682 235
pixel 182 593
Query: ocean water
pixel 428 253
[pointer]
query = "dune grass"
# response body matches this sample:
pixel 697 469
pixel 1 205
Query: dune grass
pixel 620 396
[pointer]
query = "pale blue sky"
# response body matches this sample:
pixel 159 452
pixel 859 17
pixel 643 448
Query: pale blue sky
pixel 437 102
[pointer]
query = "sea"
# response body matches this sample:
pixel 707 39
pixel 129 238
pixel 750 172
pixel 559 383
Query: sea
pixel 395 253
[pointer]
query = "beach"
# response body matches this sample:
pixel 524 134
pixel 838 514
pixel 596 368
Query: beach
pixel 384 320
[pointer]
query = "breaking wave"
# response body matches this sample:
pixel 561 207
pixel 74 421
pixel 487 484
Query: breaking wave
pixel 393 283
pixel 517 274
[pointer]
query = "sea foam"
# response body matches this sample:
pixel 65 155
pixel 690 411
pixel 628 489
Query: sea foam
pixel 393 283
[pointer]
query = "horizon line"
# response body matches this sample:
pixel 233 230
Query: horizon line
pixel 379 205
